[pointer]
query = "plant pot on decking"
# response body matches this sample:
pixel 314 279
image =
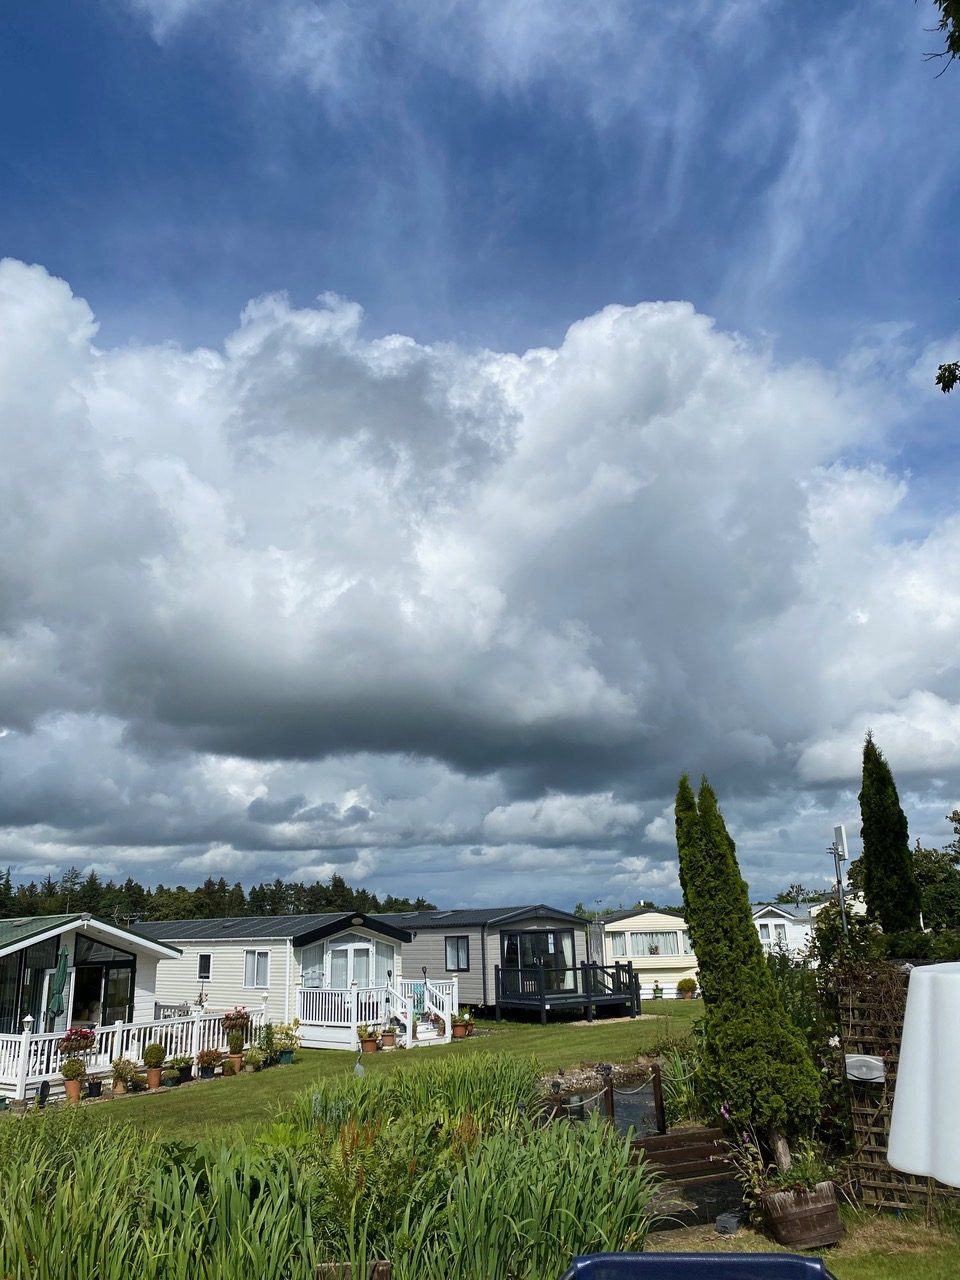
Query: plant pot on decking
pixel 72 1089
pixel 804 1219
pixel 153 1077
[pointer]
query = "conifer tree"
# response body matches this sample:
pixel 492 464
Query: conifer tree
pixel 755 1063
pixel 889 883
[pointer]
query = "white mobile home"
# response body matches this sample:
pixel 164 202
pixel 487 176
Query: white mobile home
pixel 332 972
pixel 783 928
pixel 657 943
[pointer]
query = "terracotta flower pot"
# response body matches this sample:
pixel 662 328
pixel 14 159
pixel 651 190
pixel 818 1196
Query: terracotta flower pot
pixel 368 1046
pixel 119 1086
pixel 237 1060
pixel 389 1039
pixel 471 1028
pixel 153 1077
pixel 72 1089
pixel 459 1031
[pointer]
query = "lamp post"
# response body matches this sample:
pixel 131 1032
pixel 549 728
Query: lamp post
pixel 839 851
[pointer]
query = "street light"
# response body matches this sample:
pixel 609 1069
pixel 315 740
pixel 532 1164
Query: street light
pixel 839 851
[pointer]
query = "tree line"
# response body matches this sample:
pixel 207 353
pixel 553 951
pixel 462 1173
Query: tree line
pixel 131 901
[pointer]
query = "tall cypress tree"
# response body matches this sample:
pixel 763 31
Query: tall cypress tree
pixel 754 1061
pixel 889 885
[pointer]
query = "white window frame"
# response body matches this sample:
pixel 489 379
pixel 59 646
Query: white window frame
pixel 764 932
pixel 208 956
pixel 618 944
pixel 256 952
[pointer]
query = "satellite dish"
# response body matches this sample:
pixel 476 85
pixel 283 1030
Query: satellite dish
pixel 866 1069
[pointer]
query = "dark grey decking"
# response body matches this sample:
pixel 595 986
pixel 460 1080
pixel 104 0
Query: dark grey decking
pixel 587 986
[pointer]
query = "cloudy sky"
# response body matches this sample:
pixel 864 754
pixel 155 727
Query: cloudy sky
pixel 430 426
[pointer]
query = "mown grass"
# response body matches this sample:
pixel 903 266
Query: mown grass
pixel 877 1246
pixel 209 1108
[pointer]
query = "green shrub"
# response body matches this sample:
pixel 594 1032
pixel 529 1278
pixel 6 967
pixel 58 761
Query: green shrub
pixel 235 1042
pixel 154 1055
pixel 687 985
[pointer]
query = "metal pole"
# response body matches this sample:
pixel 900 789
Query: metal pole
pixel 835 850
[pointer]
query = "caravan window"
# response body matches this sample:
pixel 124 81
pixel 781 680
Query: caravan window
pixel 256 968
pixel 458 953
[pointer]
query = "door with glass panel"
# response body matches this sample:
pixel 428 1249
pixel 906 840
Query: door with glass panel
pixel 349 962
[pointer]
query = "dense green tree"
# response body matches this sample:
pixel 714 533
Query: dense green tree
pixel 69 889
pixel 755 1063
pixel 937 872
pixel 889 884
pixel 89 894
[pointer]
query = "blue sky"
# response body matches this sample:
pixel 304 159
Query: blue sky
pixel 784 168
pixel 457 528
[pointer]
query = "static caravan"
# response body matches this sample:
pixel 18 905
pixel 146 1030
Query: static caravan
pixel 333 972
pixel 64 971
pixel 657 944
pixel 533 957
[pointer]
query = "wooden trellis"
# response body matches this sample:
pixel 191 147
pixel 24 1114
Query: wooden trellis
pixel 871 1002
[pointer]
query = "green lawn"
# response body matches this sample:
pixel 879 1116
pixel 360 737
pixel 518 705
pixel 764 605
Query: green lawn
pixel 877 1246
pixel 209 1108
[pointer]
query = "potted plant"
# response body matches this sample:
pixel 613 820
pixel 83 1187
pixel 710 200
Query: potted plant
pixel 468 1022
pixel 229 1067
pixel 368 1038
pixel 235 1041
pixel 686 988
pixel 253 1060
pixel 208 1060
pixel 287 1041
pixel 267 1043
pixel 388 1037
pixel 94 1087
pixel 184 1064
pixel 123 1073
pixel 459 1025
pixel 657 991
pixel 73 1071
pixel 154 1056
pixel 798 1205
pixel 170 1078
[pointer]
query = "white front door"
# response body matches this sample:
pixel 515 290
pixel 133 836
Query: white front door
pixel 349 963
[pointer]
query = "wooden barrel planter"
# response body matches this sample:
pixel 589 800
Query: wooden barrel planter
pixel 804 1219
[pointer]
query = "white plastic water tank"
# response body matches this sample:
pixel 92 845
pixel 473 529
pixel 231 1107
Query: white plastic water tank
pixel 925 1126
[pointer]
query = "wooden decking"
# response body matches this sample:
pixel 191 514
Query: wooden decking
pixel 585 986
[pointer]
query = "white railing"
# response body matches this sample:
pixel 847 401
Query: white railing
pixel 324 1007
pixel 28 1059
pixel 380 1006
pixel 440 1000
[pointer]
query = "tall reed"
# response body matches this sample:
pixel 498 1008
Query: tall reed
pixel 487 1086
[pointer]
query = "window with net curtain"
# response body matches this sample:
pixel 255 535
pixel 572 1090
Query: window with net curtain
pixel 649 943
